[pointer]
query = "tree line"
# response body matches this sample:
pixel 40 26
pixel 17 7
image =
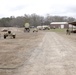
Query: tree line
pixel 33 19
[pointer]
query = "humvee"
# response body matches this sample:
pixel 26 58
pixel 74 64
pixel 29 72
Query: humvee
pixel 12 35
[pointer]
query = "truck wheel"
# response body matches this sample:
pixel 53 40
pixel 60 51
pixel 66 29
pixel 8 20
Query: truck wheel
pixel 4 36
pixel 28 30
pixel 14 36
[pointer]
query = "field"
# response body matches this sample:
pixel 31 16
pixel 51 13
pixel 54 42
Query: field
pixel 41 53
pixel 14 52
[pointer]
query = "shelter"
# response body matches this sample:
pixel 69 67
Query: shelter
pixel 73 23
pixel 73 27
pixel 59 25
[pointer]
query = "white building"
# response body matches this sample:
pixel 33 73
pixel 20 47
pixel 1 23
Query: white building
pixel 59 25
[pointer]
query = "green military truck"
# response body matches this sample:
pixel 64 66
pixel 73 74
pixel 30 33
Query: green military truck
pixel 27 27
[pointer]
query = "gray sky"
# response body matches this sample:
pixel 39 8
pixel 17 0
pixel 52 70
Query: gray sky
pixel 40 7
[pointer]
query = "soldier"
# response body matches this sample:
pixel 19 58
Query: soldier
pixel 68 31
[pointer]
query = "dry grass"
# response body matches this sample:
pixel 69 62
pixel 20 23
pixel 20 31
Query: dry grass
pixel 62 32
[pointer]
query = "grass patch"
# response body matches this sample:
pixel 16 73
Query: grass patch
pixel 58 30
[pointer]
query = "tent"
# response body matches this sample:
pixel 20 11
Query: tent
pixel 73 24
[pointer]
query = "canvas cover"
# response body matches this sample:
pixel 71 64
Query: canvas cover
pixel 27 25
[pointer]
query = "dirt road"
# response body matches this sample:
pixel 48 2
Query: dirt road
pixel 55 55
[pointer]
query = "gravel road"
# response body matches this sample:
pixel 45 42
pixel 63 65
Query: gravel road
pixel 55 55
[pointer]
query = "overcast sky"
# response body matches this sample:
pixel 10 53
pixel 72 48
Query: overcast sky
pixel 40 7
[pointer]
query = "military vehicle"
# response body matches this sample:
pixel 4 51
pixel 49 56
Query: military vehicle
pixel 27 27
pixel 9 34
pixel 35 30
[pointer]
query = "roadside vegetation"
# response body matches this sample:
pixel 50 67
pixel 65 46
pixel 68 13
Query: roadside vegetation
pixel 62 31
pixel 34 20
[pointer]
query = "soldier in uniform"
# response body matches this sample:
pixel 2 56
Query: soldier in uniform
pixel 68 31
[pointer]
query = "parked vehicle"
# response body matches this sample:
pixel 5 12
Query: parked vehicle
pixel 27 27
pixel 44 27
pixel 9 34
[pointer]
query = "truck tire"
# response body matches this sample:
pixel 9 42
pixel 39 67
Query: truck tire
pixel 5 36
pixel 14 36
